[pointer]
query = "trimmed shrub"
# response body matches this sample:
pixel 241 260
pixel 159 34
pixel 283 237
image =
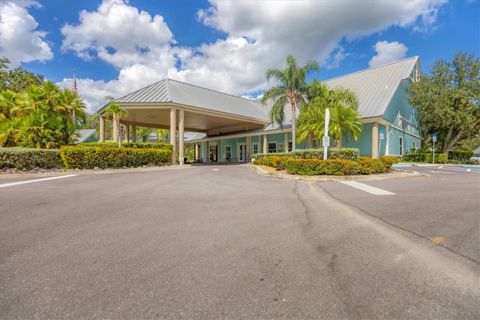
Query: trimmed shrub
pixel 333 153
pixel 338 167
pixel 150 145
pixel 461 156
pixel 86 157
pixel 28 159
pixel 390 160
pixel 310 167
pixel 304 167
pixel 439 158
pixel 368 165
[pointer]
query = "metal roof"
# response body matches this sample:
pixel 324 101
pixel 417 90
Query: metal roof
pixel 375 86
pixel 84 134
pixel 168 90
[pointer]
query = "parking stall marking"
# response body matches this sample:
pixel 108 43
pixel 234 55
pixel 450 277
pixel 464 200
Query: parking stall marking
pixel 367 188
pixel 11 184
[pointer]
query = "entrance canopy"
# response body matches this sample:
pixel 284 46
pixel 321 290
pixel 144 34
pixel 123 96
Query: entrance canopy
pixel 171 104
pixel 205 110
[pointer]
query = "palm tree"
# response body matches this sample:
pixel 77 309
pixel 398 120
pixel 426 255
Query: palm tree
pixel 72 110
pixel 291 90
pixel 8 124
pixel 116 112
pixel 344 116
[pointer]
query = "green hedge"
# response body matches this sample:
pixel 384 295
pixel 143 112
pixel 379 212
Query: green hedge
pixel 333 153
pixel 28 159
pixel 149 145
pixel 339 167
pixel 423 155
pixel 461 156
pixel 89 157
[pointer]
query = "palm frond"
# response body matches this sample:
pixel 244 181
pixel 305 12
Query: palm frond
pixel 277 113
pixel 273 93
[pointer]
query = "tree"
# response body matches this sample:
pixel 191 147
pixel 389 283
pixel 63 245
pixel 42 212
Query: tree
pixel 116 112
pixel 39 116
pixel 448 100
pixel 291 90
pixel 144 133
pixel 162 135
pixel 73 113
pixel 17 79
pixel 344 116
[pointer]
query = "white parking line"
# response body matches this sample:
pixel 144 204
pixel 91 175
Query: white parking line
pixel 11 184
pixel 367 188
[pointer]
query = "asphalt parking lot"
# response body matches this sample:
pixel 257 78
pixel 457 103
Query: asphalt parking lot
pixel 224 242
pixel 444 205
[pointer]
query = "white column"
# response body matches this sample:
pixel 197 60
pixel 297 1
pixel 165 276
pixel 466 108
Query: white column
pixel 207 145
pixel 387 140
pixel 173 134
pixel 181 128
pixel 285 142
pixel 265 144
pixel 127 133
pixel 375 141
pixel 134 133
pixel 102 129
pixel 294 130
pixel 249 148
pixel 115 129
pixel 196 151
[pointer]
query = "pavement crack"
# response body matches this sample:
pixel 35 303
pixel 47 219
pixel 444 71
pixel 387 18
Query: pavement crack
pixel 304 205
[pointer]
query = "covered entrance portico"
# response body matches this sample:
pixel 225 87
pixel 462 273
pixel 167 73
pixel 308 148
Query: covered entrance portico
pixel 180 107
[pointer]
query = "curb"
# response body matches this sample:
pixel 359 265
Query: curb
pixel 399 174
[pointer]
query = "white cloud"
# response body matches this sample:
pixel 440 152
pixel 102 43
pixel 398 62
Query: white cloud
pixel 20 41
pixel 119 34
pixel 335 58
pixel 259 35
pixel 387 52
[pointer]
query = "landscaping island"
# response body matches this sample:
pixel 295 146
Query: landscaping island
pixel 340 162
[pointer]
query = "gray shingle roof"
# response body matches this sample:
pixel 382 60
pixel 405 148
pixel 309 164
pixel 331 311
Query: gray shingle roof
pixel 375 86
pixel 168 90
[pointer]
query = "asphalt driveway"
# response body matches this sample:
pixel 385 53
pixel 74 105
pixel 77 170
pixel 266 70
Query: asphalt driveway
pixel 215 242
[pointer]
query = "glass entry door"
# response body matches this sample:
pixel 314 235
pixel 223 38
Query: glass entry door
pixel 242 152
pixel 213 153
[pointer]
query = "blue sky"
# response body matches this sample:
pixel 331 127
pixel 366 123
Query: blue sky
pixel 117 46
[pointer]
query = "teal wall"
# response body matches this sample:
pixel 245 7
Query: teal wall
pixel 408 141
pixel 403 115
pixel 278 138
pixel 400 112
pixel 364 142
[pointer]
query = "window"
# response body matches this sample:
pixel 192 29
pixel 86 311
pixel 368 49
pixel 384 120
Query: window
pixel 272 147
pixel 228 152
pixel 401 146
pixel 280 147
pixel 255 148
pixel 414 145
pixel 289 146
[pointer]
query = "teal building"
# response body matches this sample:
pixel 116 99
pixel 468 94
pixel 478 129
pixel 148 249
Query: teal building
pixel 227 128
